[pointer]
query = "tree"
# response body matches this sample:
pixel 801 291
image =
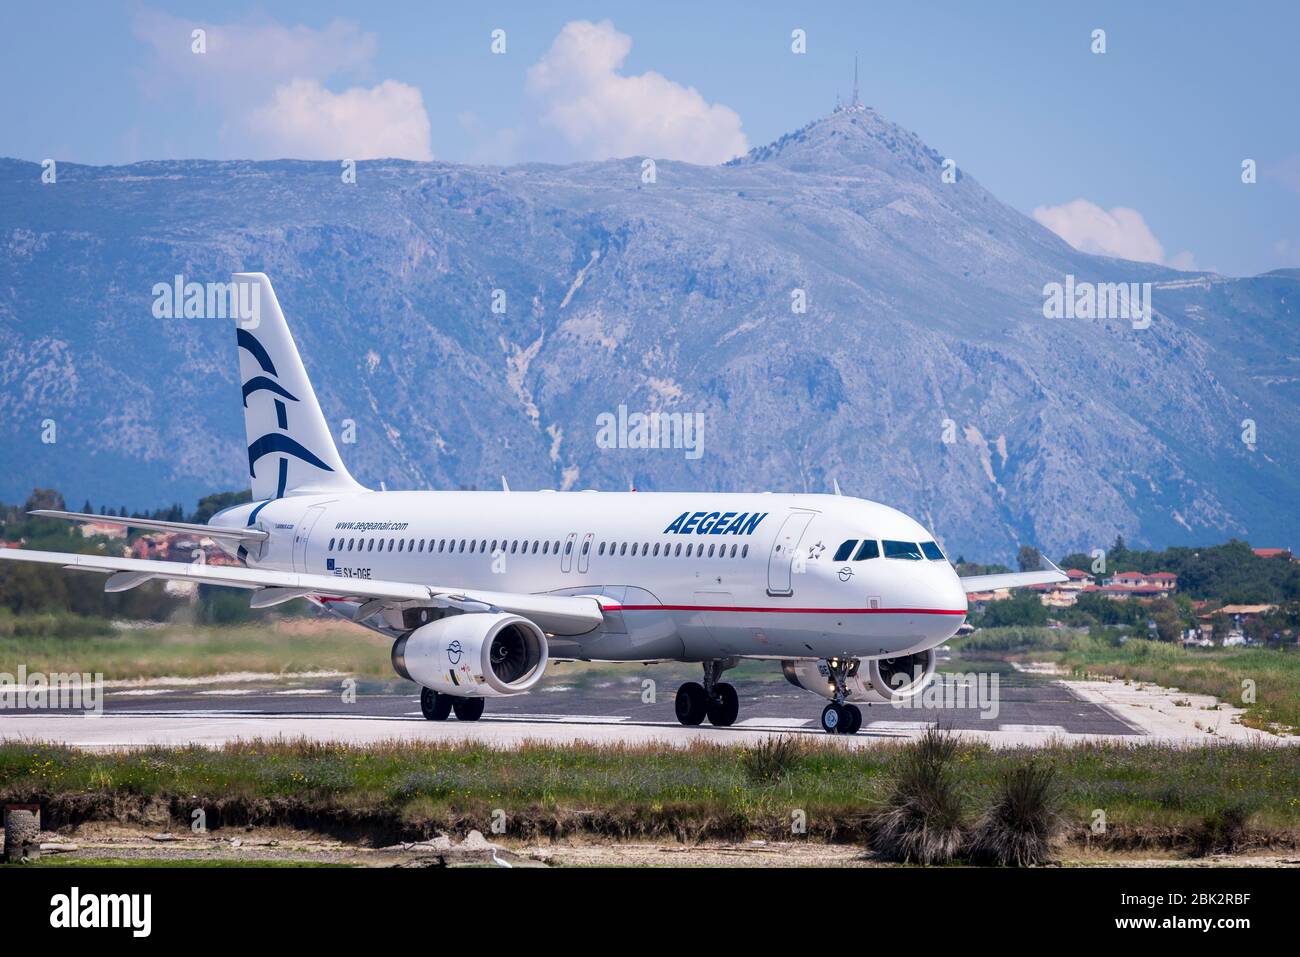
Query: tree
pixel 1022 608
pixel 1029 558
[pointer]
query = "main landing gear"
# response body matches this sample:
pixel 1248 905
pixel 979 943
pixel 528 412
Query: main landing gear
pixel 714 699
pixel 839 717
pixel 436 707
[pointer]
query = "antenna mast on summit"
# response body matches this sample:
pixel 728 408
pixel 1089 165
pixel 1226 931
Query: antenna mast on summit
pixel 857 103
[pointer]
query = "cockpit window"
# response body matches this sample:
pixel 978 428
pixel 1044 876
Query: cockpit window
pixel 844 551
pixel 907 550
pixel 870 549
pixel 931 551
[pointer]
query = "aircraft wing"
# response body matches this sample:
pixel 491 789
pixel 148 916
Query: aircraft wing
pixel 557 614
pixel 157 525
pixel 1015 579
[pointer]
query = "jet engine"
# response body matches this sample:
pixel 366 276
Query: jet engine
pixel 473 655
pixel 871 680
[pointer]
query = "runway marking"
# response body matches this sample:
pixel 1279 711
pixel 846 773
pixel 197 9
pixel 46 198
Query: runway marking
pixel 773 723
pixel 1032 728
pixel 306 691
pixel 902 725
pixel 550 718
pixel 228 692
pixel 557 718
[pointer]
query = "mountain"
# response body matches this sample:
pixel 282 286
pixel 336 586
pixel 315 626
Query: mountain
pixel 923 372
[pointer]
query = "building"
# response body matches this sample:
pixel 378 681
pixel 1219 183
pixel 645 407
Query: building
pixel 979 600
pixel 103 530
pixel 1273 553
pixel 1141 585
pixel 1245 612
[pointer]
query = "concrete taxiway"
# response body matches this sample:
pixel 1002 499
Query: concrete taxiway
pixel 1027 710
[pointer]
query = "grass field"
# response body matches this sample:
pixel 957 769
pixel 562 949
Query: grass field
pixel 1274 672
pixel 1223 672
pixel 289 645
pixel 1152 796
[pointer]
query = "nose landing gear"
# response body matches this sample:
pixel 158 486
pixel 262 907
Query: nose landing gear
pixel 714 699
pixel 839 717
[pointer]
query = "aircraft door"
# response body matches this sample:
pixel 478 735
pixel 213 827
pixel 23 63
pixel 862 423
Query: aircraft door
pixel 566 553
pixel 780 578
pixel 584 553
pixel 301 535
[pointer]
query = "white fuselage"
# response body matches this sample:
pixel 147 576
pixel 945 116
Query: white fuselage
pixel 760 579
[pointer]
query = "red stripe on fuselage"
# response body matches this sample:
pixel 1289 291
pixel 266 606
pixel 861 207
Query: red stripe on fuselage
pixel 790 611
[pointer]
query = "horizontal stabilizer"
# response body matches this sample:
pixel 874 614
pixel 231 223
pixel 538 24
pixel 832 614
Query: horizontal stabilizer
pixel 157 525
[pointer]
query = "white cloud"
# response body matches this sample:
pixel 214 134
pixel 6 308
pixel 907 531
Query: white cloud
pixel 602 114
pixel 247 59
pixel 267 79
pixel 1119 232
pixel 306 121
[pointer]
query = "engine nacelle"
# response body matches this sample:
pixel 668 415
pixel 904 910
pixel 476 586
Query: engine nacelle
pixel 473 655
pixel 872 680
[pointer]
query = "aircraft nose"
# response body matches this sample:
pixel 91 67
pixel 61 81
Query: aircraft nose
pixel 954 594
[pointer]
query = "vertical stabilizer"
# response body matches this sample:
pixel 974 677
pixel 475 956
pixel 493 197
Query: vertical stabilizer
pixel 290 449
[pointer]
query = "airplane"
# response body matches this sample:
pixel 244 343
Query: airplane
pixel 479 590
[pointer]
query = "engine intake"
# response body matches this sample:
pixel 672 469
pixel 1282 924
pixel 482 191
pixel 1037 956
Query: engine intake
pixel 871 680
pixel 473 655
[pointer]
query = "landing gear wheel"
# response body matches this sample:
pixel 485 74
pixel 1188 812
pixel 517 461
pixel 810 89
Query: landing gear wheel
pixel 692 703
pixel 723 709
pixel 833 718
pixel 468 709
pixel 435 706
pixel 852 719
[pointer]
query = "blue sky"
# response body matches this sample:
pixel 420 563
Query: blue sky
pixel 1137 151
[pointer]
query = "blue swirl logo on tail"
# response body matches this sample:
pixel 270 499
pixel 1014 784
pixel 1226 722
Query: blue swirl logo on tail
pixel 273 442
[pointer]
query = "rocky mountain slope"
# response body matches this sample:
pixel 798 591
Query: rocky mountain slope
pixel 922 374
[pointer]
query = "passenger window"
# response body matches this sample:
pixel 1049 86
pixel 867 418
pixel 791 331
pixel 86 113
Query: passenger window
pixel 390 544
pixel 568 548
pixel 744 551
pixel 844 551
pixel 931 551
pixel 586 547
pixel 331 548
pixel 907 550
pixel 401 542
pixel 870 549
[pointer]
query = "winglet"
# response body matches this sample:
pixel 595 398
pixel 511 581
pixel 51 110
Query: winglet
pixel 835 484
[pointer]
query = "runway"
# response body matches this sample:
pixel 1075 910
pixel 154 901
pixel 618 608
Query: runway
pixel 1026 709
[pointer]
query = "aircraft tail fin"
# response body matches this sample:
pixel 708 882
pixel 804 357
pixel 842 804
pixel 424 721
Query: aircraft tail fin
pixel 290 449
